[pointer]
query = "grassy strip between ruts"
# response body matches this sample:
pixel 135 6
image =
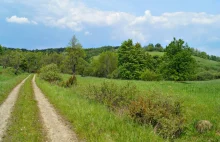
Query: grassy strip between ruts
pixel 25 124
pixel 92 121
pixel 7 83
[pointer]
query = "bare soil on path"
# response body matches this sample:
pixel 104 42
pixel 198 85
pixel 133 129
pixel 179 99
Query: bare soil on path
pixel 56 129
pixel 7 107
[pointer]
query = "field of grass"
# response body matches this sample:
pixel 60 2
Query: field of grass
pixel 201 101
pixel 25 124
pixel 92 121
pixel 7 82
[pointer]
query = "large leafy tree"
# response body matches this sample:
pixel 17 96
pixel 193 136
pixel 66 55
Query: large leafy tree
pixel 179 65
pixel 75 53
pixel 131 60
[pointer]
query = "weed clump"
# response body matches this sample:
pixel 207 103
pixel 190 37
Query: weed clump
pixel 112 95
pixel 70 82
pixel 203 126
pixel 163 113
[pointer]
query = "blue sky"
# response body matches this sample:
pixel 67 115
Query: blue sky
pixel 40 24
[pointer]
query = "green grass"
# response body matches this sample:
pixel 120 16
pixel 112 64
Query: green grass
pixel 92 121
pixel 7 82
pixel 25 124
pixel 201 101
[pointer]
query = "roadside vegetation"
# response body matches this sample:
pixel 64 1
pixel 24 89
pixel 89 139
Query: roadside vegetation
pixel 25 124
pixel 8 80
pixel 93 121
pixel 198 101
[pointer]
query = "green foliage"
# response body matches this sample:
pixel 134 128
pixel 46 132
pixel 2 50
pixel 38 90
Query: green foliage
pixel 92 121
pixel 103 65
pixel 199 98
pixel 112 95
pixel 178 65
pixel 163 113
pixel 1 50
pixel 70 82
pixel 148 75
pixel 92 52
pixel 74 53
pixel 50 73
pixel 205 76
pixel 131 60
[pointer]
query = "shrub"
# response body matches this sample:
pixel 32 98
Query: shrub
pixel 112 95
pixel 163 113
pixel 206 75
pixel 70 82
pixel 50 73
pixel 148 75
pixel 217 75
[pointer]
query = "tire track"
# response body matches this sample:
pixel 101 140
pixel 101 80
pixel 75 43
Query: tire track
pixel 7 107
pixel 55 127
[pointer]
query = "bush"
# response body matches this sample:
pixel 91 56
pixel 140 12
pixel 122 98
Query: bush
pixel 148 75
pixel 112 95
pixel 206 75
pixel 217 75
pixel 70 82
pixel 163 113
pixel 50 73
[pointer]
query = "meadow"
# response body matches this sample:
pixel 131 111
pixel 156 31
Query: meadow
pixel 8 80
pixel 94 122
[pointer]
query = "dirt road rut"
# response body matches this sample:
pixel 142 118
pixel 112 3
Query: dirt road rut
pixel 56 129
pixel 7 107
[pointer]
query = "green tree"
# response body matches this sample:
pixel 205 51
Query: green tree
pixel 16 60
pixel 131 60
pixel 105 64
pixel 178 65
pixel 75 53
pixel 158 47
pixel 150 47
pixel 6 59
pixel 1 50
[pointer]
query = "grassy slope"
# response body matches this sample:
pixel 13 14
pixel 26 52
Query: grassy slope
pixel 201 101
pixel 7 82
pixel 93 121
pixel 25 123
pixel 204 64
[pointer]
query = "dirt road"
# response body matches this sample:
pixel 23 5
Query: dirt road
pixel 55 127
pixel 7 107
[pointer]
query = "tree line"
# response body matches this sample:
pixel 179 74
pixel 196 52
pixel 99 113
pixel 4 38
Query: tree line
pixel 128 61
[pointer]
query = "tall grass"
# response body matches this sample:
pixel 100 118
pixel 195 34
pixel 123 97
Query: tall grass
pixel 7 82
pixel 25 124
pixel 93 121
pixel 201 101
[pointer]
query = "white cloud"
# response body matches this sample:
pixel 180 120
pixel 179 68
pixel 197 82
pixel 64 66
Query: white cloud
pixel 20 20
pixel 87 33
pixel 77 16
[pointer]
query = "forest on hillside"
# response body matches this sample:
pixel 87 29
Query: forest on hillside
pixel 128 61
